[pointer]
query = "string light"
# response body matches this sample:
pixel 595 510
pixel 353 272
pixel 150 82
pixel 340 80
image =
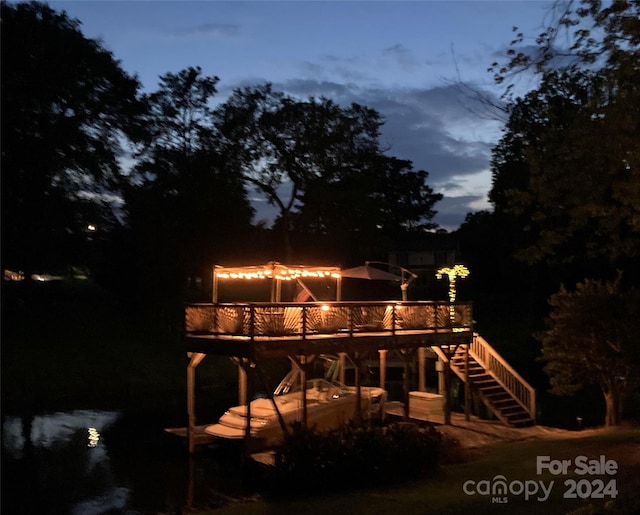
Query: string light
pixel 94 437
pixel 277 271
pixel 452 273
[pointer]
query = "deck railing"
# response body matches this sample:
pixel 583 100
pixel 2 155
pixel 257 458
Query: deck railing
pixel 315 319
pixel 513 382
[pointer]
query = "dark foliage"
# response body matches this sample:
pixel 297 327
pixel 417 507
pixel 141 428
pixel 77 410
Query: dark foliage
pixel 354 456
pixel 324 169
pixel 591 339
pixel 184 208
pixel 67 106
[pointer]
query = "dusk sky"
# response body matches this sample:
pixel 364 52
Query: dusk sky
pixel 400 58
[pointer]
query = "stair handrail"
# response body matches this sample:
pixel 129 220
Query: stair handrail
pixel 504 373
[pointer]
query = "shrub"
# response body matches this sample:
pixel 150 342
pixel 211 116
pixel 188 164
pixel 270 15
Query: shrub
pixel 353 456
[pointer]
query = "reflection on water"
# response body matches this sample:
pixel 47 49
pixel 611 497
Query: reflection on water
pixel 45 431
pixel 97 462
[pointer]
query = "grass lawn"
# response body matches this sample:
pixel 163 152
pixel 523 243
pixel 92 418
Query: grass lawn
pixel 514 460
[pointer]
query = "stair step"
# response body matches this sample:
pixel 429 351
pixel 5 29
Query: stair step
pixel 475 371
pixel 462 357
pixel 495 398
pixel 505 402
pixel 461 364
pixel 483 383
pixel 489 381
pixel 504 407
pixel 493 394
pixel 509 410
pixel 475 368
pixel 513 410
pixel 482 375
pixel 493 387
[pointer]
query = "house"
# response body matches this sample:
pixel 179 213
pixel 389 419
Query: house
pixel 424 256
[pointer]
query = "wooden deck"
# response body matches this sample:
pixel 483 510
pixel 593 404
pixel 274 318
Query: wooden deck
pixel 269 330
pixel 258 331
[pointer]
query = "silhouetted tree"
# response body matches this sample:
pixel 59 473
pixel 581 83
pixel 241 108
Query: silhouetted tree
pixel 321 165
pixel 558 171
pixel 566 174
pixel 569 163
pixel 67 109
pixel 363 209
pixel 591 338
pixel 184 208
pixel 579 34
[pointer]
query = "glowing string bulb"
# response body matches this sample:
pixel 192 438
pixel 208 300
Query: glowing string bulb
pixel 94 437
pixel 452 273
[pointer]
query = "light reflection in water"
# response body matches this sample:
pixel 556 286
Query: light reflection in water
pixel 51 429
pixel 52 445
pixel 87 462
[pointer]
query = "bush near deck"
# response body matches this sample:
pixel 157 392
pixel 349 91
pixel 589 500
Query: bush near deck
pixel 354 456
pixel 443 493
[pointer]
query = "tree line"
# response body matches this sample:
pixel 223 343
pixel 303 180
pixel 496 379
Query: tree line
pixel 566 195
pixel 167 179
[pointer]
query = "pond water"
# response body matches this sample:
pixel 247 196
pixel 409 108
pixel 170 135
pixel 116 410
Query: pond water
pixel 88 462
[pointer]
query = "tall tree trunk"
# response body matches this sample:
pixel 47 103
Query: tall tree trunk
pixel 446 370
pixel 612 403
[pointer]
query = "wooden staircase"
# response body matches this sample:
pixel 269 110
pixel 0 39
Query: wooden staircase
pixel 499 386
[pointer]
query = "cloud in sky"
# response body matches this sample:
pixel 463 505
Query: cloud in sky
pixel 433 128
pixel 401 58
pixel 217 30
pixel 418 127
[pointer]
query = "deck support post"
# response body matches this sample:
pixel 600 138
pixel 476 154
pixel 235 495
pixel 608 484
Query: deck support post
pixel 269 391
pixel 343 361
pixel 449 353
pixel 303 388
pixel 245 364
pixel 191 484
pixel 356 361
pixel 194 361
pixel 406 384
pixel 422 379
pixel 446 398
pixel 383 367
pixel 440 370
pixel 467 386
pixel 302 363
pixel 242 385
